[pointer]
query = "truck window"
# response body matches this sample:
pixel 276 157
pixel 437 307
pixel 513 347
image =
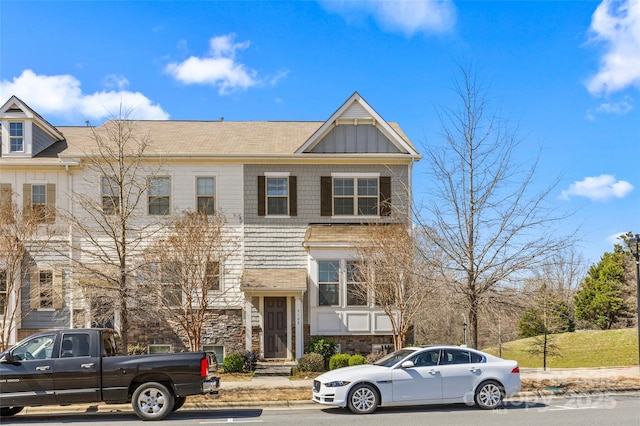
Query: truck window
pixel 109 347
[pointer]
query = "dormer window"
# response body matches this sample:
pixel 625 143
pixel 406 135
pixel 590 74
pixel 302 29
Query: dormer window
pixel 16 136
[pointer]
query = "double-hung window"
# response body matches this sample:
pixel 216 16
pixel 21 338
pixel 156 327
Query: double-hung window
pixel 355 196
pixel 356 292
pixel 277 196
pixel 110 195
pixel 213 275
pixel 329 283
pixel 46 289
pixel 206 193
pixel 159 195
pixel 39 201
pixel 16 136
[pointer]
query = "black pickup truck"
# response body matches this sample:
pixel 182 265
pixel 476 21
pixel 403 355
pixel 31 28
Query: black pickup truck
pixel 83 366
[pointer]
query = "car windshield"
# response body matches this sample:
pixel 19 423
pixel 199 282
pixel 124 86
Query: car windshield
pixel 394 357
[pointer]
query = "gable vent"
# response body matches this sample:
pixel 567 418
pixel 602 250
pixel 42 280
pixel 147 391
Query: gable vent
pixel 356 111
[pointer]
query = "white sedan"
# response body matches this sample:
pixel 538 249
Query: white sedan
pixel 418 376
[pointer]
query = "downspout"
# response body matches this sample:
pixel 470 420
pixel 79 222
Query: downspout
pixel 70 241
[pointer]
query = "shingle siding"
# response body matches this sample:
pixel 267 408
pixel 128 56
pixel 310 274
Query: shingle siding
pixel 40 140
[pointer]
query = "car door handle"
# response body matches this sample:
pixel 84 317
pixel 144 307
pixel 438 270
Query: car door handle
pixel 433 371
pixel 43 368
pixel 89 365
pixel 473 369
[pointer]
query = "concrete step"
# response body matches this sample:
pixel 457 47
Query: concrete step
pixel 274 369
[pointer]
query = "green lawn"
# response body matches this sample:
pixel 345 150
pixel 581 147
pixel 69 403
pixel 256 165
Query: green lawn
pixel 594 348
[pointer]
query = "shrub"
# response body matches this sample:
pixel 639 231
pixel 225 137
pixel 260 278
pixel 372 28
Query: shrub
pixel 311 362
pixel 324 346
pixel 373 357
pixel 339 361
pixel 357 359
pixel 233 363
pixel 136 349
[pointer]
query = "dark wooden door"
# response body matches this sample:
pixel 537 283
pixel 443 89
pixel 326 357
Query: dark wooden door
pixel 275 327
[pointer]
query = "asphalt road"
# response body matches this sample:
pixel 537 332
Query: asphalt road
pixel 614 409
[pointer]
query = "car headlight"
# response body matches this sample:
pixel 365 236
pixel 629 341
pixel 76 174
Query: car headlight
pixel 337 384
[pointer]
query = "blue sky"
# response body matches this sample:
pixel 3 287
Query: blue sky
pixel 566 72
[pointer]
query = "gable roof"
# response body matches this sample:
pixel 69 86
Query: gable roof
pixel 15 107
pixel 354 111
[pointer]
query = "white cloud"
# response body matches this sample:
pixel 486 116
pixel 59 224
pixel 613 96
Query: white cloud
pixel 61 96
pixel 616 238
pixel 598 188
pixel 404 16
pixel 619 108
pixel 219 68
pixel 616 24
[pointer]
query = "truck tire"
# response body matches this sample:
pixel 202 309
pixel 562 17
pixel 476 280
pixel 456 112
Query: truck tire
pixel 179 402
pixel 152 401
pixel 9 411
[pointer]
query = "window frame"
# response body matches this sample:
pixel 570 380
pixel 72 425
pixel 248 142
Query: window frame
pixel 113 205
pixel 351 281
pixel 212 197
pixel 13 137
pixel 153 199
pixel 215 276
pixel 335 284
pixel 356 197
pixel 38 207
pixel 46 290
pixel 268 197
pixel 211 347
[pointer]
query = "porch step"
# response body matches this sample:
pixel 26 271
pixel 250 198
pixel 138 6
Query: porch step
pixel 282 369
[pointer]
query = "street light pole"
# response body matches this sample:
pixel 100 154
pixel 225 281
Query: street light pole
pixel 634 246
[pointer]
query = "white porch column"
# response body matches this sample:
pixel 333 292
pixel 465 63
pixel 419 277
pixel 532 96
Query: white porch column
pixel 299 328
pixel 247 322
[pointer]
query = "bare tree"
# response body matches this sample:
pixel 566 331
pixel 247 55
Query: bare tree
pixel 24 235
pixel 391 272
pixel 110 223
pixel 184 270
pixel 483 214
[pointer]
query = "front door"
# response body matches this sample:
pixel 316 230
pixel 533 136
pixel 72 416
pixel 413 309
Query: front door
pixel 275 327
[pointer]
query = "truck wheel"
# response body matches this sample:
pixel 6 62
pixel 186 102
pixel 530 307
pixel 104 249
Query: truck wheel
pixel 9 411
pixel 152 401
pixel 179 402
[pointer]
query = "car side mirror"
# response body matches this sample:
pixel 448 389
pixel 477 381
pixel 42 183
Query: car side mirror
pixel 408 364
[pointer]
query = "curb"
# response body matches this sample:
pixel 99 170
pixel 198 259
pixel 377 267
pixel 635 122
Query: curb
pixel 304 403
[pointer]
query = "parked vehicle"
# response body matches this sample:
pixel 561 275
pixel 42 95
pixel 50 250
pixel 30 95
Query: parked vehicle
pixel 83 366
pixel 420 376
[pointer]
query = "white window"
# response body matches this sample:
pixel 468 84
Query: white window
pixel 213 275
pixel 357 294
pixel 277 196
pixel 329 283
pixel 159 195
pixel 216 349
pixel 39 201
pixel 16 136
pixel 46 289
pixel 355 196
pixel 110 195
pixel 159 349
pixel 206 192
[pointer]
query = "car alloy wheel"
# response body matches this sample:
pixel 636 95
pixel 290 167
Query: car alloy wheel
pixel 363 399
pixel 152 401
pixel 489 395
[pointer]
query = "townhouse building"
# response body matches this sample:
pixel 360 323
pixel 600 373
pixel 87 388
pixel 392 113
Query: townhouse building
pixel 297 196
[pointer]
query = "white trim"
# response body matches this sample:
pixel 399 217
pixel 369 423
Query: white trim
pixel 354 175
pixel 277 174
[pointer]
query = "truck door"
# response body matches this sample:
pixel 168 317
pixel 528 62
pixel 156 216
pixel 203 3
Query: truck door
pixel 26 374
pixel 76 371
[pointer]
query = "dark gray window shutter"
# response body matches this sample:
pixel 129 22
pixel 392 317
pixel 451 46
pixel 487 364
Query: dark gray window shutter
pixel 385 195
pixel 261 196
pixel 293 196
pixel 326 194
